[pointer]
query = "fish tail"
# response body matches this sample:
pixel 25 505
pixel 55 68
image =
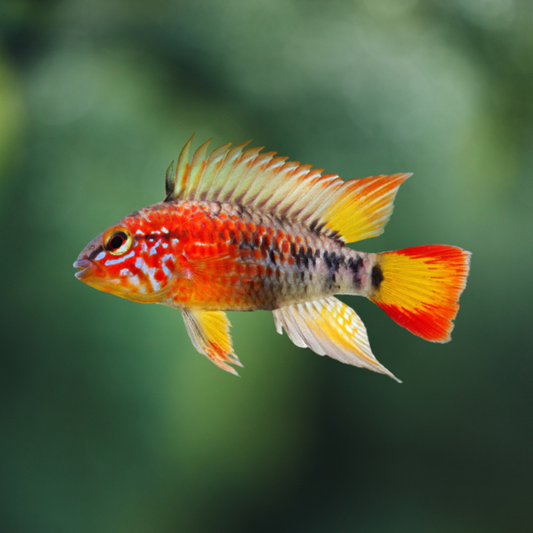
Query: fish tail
pixel 419 288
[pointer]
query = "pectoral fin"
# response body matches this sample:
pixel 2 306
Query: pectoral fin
pixel 209 332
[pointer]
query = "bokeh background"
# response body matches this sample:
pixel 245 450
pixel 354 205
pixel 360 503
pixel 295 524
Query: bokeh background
pixel 109 419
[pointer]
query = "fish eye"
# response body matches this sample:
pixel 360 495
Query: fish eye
pixel 118 242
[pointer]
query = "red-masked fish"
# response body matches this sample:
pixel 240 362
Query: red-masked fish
pixel 241 230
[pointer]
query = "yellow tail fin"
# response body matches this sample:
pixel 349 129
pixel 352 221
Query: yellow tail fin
pixel 419 288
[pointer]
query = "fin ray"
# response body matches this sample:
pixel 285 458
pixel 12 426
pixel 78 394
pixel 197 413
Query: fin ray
pixel 353 210
pixel 362 207
pixel 329 327
pixel 182 171
pixel 421 287
pixel 198 165
pixel 209 333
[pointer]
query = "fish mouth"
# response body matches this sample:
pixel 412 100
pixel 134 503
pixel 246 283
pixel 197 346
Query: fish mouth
pixel 84 266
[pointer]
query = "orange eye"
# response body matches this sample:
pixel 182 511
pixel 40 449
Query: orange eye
pixel 118 242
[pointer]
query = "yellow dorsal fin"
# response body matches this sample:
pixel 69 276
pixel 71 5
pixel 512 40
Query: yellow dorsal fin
pixel 361 208
pixel 209 332
pixel 352 210
pixel 329 327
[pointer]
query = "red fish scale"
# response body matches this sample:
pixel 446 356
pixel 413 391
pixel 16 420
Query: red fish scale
pixel 226 257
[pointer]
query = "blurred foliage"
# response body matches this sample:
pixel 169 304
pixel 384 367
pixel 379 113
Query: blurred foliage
pixel 110 422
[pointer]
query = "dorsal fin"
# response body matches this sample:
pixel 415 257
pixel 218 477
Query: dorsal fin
pixel 352 210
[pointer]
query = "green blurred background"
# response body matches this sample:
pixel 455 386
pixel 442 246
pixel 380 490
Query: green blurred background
pixel 109 419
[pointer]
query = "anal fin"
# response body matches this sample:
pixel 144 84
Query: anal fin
pixel 329 327
pixel 209 332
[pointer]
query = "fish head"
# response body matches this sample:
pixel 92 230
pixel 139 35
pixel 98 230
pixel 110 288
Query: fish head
pixel 126 260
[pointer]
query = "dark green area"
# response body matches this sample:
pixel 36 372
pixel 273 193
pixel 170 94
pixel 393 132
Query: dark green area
pixel 110 421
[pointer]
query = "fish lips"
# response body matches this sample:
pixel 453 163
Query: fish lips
pixel 86 267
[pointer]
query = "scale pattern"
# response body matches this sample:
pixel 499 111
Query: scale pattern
pixel 230 258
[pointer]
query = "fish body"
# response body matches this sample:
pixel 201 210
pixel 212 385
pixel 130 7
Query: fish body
pixel 214 256
pixel 243 231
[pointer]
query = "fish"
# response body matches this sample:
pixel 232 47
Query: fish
pixel 245 230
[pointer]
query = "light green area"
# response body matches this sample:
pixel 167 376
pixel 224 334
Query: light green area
pixel 110 421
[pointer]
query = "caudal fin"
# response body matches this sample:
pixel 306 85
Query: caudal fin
pixel 419 288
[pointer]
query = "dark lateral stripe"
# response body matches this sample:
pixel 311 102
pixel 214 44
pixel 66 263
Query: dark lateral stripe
pixel 327 260
pixel 309 257
pixel 94 253
pixel 303 257
pixel 355 266
pixel 331 281
pixel 333 261
pixel 151 237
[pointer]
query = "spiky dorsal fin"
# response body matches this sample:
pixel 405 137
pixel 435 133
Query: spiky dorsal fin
pixel 352 210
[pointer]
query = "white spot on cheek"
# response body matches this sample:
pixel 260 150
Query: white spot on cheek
pixel 164 245
pixel 167 271
pixel 153 250
pixel 100 256
pixel 164 230
pixel 150 272
pixel 138 232
pixel 155 284
pixel 125 272
pixel 119 260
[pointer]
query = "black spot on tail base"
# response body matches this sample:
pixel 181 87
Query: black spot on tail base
pixel 377 276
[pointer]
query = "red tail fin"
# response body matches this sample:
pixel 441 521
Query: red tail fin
pixel 419 288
